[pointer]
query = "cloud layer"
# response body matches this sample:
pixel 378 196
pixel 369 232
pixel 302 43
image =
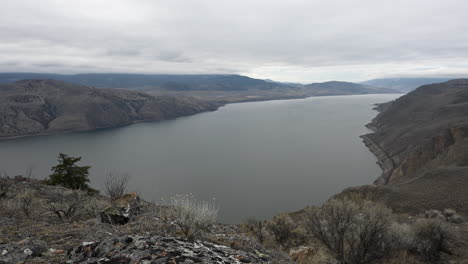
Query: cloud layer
pixel 294 40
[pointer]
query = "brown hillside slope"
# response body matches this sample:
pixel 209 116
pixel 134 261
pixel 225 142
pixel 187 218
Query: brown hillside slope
pixel 32 107
pixel 421 142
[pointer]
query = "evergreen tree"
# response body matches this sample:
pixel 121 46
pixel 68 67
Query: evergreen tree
pixel 69 175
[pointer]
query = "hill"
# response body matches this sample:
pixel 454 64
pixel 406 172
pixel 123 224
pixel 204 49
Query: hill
pixel 32 107
pixel 344 88
pixel 214 87
pixel 170 82
pixel 421 142
pixel 404 84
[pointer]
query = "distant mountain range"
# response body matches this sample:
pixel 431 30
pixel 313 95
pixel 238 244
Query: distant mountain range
pixel 345 88
pixel 404 84
pixel 223 88
pixel 161 81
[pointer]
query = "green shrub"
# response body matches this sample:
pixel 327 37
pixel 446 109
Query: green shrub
pixel 70 175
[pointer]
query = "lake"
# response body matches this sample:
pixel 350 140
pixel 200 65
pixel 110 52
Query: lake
pixel 256 159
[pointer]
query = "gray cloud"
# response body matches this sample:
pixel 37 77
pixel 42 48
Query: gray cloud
pixel 296 40
pixel 172 56
pixel 122 52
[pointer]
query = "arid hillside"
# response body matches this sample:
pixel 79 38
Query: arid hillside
pixel 32 107
pixel 421 142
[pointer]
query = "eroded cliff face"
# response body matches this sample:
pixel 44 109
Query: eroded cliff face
pixel 420 131
pixel 32 107
pixel 447 149
pixel 421 143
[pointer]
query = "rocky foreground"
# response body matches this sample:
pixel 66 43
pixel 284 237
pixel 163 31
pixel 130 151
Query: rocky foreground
pixel 35 107
pixel 154 250
pixel 131 249
pixel 40 223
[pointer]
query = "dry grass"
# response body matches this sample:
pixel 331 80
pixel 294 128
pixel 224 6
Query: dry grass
pixel 351 232
pixel 192 217
pixel 432 237
pixel 255 228
pixel 116 185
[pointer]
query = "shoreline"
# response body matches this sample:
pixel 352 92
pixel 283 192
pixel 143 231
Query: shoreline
pixel 384 161
pixel 64 132
pixel 219 104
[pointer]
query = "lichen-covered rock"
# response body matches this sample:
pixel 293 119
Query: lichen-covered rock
pixel 135 249
pixel 22 251
pixel 122 210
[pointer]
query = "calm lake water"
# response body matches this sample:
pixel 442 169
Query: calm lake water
pixel 256 159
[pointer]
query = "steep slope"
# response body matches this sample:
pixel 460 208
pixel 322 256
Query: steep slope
pixel 31 107
pixel 421 142
pixel 403 84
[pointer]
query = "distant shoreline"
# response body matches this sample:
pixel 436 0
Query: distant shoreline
pixel 219 103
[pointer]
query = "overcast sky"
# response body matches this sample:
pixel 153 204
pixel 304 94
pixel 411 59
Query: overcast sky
pixel 289 40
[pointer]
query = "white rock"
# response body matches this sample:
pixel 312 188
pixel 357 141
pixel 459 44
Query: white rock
pixel 88 243
pixel 219 246
pixel 140 244
pixel 4 252
pixel 28 252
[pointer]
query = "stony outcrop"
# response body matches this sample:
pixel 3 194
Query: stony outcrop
pixel 122 210
pixel 22 251
pixel 32 107
pixel 137 249
pixel 421 139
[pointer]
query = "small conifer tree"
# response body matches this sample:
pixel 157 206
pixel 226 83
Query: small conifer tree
pixel 70 175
